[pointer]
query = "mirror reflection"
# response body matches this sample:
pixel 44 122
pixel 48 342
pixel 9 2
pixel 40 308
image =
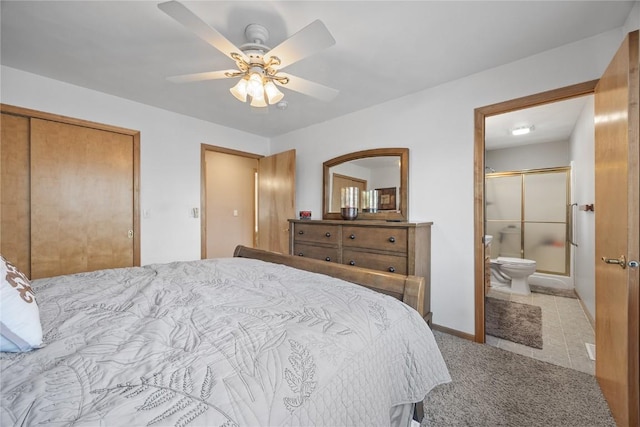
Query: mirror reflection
pixel 378 176
pixel 377 180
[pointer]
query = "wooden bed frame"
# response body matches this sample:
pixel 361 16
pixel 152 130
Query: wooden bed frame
pixel 408 289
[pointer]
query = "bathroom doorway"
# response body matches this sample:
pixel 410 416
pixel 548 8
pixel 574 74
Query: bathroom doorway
pixel 539 152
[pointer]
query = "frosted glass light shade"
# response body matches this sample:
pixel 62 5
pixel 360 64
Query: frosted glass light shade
pixel 254 85
pixel 272 92
pixel 258 99
pixel 240 90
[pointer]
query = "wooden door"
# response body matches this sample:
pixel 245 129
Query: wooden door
pixel 14 191
pixel 276 200
pixel 617 233
pixel 82 199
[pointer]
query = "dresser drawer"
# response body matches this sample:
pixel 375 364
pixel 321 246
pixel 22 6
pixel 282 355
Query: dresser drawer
pixel 317 233
pixel 393 263
pixel 316 252
pixel 383 238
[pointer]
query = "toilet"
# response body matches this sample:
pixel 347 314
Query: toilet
pixel 512 270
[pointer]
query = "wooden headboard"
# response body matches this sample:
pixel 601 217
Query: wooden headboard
pixel 408 289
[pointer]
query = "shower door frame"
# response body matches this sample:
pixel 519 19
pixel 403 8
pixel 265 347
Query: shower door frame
pixel 568 214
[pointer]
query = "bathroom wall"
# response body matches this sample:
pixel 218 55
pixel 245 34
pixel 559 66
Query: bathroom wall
pixel 582 154
pixel 533 156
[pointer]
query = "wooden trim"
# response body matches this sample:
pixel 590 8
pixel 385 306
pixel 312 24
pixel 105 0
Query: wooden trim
pixel 580 89
pixel 453 332
pixel 633 244
pixel 203 187
pixel 135 134
pixel 26 112
pixel 403 153
pixel 409 289
pixel 136 200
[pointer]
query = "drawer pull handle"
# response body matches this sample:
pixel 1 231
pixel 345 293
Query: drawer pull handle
pixel 328 258
pixel 392 239
pixel 352 237
pixel 352 262
pixel 301 232
pixel 300 254
pixel 392 270
pixel 327 234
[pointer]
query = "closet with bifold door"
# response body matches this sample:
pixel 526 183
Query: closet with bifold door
pixel 68 194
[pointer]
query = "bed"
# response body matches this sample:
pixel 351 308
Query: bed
pixel 259 339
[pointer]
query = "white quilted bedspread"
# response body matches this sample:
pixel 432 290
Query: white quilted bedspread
pixel 224 342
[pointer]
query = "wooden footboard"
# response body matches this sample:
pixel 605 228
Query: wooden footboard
pixel 409 289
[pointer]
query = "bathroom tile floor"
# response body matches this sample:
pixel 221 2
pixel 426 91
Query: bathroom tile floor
pixel 565 330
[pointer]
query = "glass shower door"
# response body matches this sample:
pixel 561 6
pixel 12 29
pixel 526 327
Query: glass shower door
pixel 526 213
pixel 504 215
pixel 546 196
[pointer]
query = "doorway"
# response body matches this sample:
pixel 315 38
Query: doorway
pixel 251 198
pixel 481 114
pixel 534 184
pixel 230 201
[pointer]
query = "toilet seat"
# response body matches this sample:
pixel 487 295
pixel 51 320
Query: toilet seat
pixel 514 261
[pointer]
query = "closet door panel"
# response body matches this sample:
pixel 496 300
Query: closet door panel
pixel 14 191
pixel 82 199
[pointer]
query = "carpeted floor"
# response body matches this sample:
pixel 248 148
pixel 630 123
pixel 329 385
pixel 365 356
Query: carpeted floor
pixel 494 387
pixel 513 321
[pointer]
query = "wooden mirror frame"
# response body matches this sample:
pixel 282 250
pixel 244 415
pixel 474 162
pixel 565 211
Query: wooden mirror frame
pixel 400 215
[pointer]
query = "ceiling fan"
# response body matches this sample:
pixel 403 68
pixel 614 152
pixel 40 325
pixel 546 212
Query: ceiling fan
pixel 258 66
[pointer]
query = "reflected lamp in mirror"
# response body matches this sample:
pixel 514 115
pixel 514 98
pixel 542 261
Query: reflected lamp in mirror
pixel 349 202
pixel 374 173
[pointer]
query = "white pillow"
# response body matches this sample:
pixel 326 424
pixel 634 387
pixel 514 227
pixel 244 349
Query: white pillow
pixel 20 328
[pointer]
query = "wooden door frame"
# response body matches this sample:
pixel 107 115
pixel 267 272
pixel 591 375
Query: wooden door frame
pixel 135 134
pixel 555 95
pixel 204 148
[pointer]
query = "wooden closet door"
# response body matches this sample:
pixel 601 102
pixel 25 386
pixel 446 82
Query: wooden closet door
pixel 14 191
pixel 81 199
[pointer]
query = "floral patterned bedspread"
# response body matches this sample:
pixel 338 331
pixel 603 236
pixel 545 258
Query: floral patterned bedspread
pixel 223 342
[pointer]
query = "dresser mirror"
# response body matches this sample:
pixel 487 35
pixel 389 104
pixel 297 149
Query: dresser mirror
pixel 383 169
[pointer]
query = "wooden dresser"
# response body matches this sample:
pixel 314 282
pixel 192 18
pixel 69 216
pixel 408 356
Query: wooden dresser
pixel 397 247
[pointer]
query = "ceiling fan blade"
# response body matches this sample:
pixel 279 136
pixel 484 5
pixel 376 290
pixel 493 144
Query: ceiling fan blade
pixel 186 17
pixel 309 40
pixel 316 90
pixel 209 75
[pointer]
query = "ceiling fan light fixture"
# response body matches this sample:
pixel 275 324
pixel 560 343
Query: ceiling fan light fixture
pixel 258 100
pixel 273 94
pixel 240 90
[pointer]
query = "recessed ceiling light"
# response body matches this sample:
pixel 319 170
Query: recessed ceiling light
pixel 523 130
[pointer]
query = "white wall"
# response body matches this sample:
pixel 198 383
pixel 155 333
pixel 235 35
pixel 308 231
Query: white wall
pixel 437 126
pixel 532 156
pixel 583 185
pixel 169 151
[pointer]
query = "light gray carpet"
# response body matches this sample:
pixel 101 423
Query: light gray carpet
pixel 513 321
pixel 494 387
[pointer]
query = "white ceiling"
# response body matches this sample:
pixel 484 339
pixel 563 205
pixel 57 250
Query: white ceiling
pixel 384 49
pixel 553 122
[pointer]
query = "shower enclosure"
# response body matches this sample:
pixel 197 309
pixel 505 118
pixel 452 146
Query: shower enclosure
pixel 529 216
